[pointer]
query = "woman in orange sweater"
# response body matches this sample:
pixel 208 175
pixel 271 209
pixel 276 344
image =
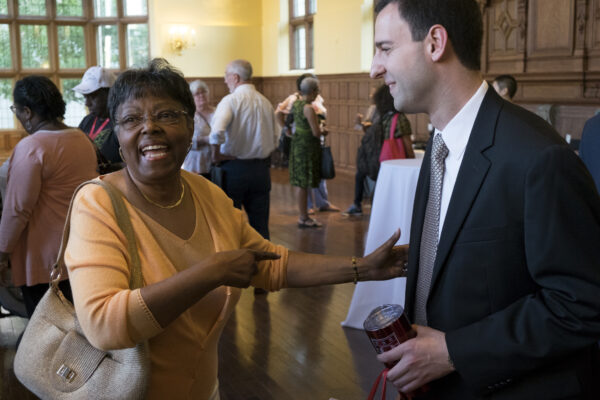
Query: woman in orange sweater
pixel 196 249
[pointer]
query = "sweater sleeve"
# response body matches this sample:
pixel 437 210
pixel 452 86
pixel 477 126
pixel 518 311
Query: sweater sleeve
pixel 231 230
pixel 271 275
pixel 112 315
pixel 22 193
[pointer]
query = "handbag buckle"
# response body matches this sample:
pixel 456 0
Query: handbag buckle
pixel 66 373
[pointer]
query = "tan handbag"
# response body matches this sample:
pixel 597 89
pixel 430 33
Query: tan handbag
pixel 56 361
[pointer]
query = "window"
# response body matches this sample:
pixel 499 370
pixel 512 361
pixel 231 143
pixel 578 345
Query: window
pixel 62 38
pixel 301 33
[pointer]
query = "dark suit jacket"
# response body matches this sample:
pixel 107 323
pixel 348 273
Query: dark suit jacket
pixel 516 281
pixel 589 148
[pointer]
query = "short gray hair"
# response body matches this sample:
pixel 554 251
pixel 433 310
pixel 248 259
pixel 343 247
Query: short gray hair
pixel 242 68
pixel 198 86
pixel 309 85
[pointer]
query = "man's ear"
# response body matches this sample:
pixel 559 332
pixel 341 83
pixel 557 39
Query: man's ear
pixel 437 42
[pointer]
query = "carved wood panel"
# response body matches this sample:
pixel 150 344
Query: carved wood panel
pixel 551 27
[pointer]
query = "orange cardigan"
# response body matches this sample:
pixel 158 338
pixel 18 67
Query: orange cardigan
pixel 184 354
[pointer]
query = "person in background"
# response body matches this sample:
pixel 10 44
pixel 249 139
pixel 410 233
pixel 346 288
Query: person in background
pixel 505 86
pixel 197 250
pixel 361 122
pixel 589 148
pixel 198 159
pixel 305 150
pixel 243 136
pixel 44 170
pixel 504 260
pixel 321 196
pixel 94 87
pixel 375 131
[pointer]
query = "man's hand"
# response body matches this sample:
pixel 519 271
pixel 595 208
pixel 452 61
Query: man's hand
pixel 216 156
pixel 420 360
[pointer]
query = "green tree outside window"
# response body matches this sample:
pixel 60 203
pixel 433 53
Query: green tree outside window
pixel 69 8
pixel 34 46
pixel 108 46
pixel 32 7
pixel 137 45
pixel 7 120
pixel 105 8
pixel 71 46
pixel 5 54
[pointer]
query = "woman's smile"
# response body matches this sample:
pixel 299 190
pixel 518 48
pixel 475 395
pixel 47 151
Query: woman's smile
pixel 155 152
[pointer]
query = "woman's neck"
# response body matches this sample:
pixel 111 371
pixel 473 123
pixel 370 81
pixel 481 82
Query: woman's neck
pixel 205 111
pixel 48 125
pixel 165 193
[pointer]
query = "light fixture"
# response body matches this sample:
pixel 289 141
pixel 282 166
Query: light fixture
pixel 181 37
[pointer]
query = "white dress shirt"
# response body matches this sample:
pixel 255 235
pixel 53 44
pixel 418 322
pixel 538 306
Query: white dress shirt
pixel 244 124
pixel 456 135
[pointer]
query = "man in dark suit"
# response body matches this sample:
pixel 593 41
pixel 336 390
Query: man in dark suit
pixel 504 262
pixel 589 148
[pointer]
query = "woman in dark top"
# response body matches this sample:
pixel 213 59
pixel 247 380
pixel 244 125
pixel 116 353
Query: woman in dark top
pixel 367 158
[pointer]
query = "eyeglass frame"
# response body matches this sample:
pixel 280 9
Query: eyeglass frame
pixel 13 108
pixel 152 117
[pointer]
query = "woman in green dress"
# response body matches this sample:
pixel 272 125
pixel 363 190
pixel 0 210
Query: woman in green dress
pixel 305 150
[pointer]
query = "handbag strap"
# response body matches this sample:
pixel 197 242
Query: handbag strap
pixel 393 125
pixel 205 121
pixel 136 279
pixel 392 141
pixel 382 374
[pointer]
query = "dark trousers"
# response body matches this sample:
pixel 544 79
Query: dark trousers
pixel 248 184
pixel 33 294
pixel 359 187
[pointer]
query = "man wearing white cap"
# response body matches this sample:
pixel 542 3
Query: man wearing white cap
pixel 94 86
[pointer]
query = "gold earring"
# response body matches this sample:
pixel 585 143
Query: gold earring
pixel 121 153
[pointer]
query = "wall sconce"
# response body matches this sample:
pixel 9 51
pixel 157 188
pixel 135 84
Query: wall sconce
pixel 181 37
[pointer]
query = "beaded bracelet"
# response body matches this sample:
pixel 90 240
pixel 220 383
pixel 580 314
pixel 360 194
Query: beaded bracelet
pixel 355 268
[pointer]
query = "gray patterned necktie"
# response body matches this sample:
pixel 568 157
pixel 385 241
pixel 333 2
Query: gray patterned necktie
pixel 431 227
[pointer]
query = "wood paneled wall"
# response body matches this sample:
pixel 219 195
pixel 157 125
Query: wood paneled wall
pixel 345 95
pixel 552 48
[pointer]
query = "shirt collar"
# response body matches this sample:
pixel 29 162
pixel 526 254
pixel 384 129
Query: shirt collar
pixel 243 87
pixel 457 132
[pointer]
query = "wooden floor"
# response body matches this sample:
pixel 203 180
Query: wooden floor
pixel 284 345
pixel 289 344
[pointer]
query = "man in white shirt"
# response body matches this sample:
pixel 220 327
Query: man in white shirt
pixel 504 263
pixel 243 136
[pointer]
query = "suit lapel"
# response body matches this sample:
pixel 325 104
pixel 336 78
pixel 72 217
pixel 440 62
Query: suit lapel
pixel 471 175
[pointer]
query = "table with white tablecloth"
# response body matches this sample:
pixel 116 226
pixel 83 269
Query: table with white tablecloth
pixel 391 209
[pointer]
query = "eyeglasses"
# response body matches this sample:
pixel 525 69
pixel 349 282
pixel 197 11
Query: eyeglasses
pixel 166 117
pixel 13 108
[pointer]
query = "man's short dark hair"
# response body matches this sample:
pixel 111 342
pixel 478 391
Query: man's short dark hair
pixel 461 18
pixel 158 79
pixel 507 82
